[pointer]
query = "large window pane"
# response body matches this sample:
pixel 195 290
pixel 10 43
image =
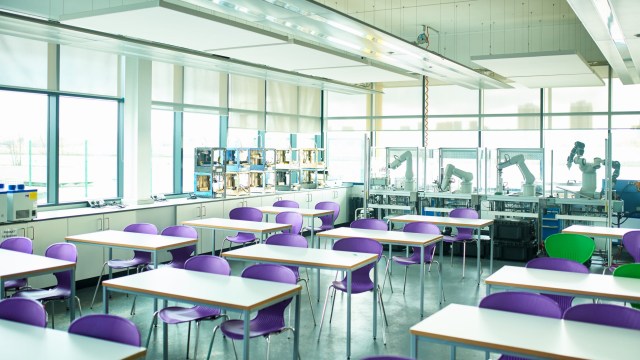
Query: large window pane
pixel 401 101
pixel 398 138
pixel 23 140
pixel 197 130
pixel 346 105
pixel 511 101
pixel 242 138
pixel 347 125
pixel 345 155
pixel 277 140
pixel 624 97
pixel 161 152
pixel 88 144
pixel 452 100
pixel 579 99
pixel 88 72
pixel 23 62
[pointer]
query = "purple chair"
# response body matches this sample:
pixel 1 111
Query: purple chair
pixel 327 221
pixel 523 303
pixel 139 259
pixel 286 203
pixel 371 224
pixel 62 291
pixel 414 257
pixel 23 310
pixel 20 244
pixel 386 357
pixel 631 242
pixel 242 213
pixel 180 255
pixel 177 314
pixel 295 240
pixel 107 327
pixel 269 320
pixel 605 314
pixel 558 264
pixel 360 280
pixel 464 234
pixel 290 217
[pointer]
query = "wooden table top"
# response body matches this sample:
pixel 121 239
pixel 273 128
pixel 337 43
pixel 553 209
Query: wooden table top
pixel 132 240
pixel 444 220
pixel 14 264
pixel 396 237
pixel 237 225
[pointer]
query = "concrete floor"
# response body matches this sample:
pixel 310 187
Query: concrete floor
pixel 402 311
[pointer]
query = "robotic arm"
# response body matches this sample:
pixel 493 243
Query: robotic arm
pixel 466 177
pixel 588 169
pixel 524 170
pixel 405 157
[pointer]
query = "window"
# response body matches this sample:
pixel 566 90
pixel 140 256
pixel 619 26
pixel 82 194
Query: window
pixel 512 101
pixel 345 155
pixel 23 62
pixel 88 72
pixel 162 151
pixel 452 100
pixel 23 140
pixel 197 130
pixel 579 99
pixel 401 101
pixel 346 105
pixel 88 149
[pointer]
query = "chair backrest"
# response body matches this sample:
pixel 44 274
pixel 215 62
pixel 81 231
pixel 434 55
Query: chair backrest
pixel 295 240
pixel 522 302
pixel 246 213
pixel 293 218
pixel 62 251
pixel 386 357
pixel 277 273
pixel 371 224
pixel 18 243
pixel 464 213
pixel 328 220
pixel 209 264
pixel 24 310
pixel 558 264
pixel 631 242
pixel 363 245
pixel 107 327
pixel 180 255
pixel 629 271
pixel 287 203
pixel 574 247
pixel 142 228
pixel 422 228
pixel 605 314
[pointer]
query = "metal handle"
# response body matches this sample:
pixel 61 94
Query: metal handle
pixel 33 232
pixel 24 232
pixel 204 210
pixel 550 227
pixel 100 224
pixel 108 223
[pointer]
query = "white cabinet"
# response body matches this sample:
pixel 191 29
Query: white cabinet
pixel 341 196
pixel 161 217
pixel 43 234
pixel 202 210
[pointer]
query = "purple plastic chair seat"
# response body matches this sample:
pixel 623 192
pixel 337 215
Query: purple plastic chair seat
pixel 107 327
pixel 386 357
pixel 19 244
pixel 605 314
pixel 55 293
pixel 371 224
pixel 178 314
pixel 327 220
pixel 558 264
pixel 26 311
pixel 292 218
pixel 234 329
pixel 244 213
pixel 180 255
pixel 124 264
pixel 357 287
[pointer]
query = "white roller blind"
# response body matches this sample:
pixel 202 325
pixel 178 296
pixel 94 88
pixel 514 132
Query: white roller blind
pixel 23 62
pixel 88 72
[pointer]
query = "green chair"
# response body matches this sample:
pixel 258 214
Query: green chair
pixel 629 271
pixel 570 246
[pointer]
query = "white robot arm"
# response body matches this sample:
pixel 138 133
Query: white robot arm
pixel 524 170
pixel 466 177
pixel 406 158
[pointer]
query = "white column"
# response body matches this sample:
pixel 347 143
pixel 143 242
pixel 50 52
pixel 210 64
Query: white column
pixel 137 131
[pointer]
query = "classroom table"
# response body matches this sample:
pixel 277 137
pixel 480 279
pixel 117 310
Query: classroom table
pixel 22 341
pixel 18 265
pixel 599 231
pixel 523 335
pixel 315 258
pixel 133 241
pixel 593 286
pixel 460 222
pixel 230 293
pixel 256 227
pixel 396 238
pixel 312 214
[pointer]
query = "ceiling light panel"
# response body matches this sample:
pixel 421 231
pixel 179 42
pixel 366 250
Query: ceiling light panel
pixel 358 74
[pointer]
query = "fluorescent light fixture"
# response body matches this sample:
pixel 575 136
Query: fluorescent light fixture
pixel 342 42
pixel 607 16
pixel 346 28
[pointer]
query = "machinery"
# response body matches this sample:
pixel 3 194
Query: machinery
pixel 22 203
pixel 447 179
pixel 3 204
pixel 406 158
pixel 209 174
pixel 518 160
pixel 589 169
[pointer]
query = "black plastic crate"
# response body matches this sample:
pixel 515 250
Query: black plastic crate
pixel 515 251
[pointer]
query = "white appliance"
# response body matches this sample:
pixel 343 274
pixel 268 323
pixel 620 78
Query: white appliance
pixel 22 203
pixel 4 205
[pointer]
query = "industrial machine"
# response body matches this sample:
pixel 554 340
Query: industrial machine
pixel 287 179
pixel 312 168
pixel 447 179
pixel 209 172
pixel 4 205
pixel 588 169
pixel 286 158
pixel 528 187
pixel 22 203
pixel 406 158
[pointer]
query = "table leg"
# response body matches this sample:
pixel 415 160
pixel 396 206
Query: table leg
pixel 488 289
pixel 72 297
pixel 375 299
pixel 165 335
pixel 296 335
pixel 478 265
pixel 440 285
pixel 414 347
pixel 609 250
pixel 155 266
pixel 110 257
pixel 105 300
pixel 422 249
pixel 2 291
pixel 491 250
pixel 246 340
pixel 213 243
pixel 349 313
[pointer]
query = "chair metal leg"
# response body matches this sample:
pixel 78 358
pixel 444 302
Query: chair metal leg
pixel 133 306
pixel 53 314
pixel 79 305
pixel 382 305
pixel 387 274
pixel 154 320
pixel 233 344
pixel 333 304
pixel 268 339
pixel 385 323
pixel 188 338
pixel 195 349
pixel 306 285
pixel 215 329
pixel 324 308
pixel 404 285
pixel 464 256
pixel 95 292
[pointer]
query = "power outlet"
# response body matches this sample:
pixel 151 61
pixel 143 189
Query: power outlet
pixel 96 203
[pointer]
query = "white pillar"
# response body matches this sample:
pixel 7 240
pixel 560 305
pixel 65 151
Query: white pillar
pixel 137 131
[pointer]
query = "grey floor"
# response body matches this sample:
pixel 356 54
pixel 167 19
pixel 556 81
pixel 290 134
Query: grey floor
pixel 402 311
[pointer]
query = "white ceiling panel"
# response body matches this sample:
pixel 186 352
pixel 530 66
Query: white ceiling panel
pixel 556 81
pixel 289 56
pixel 175 28
pixel 358 74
